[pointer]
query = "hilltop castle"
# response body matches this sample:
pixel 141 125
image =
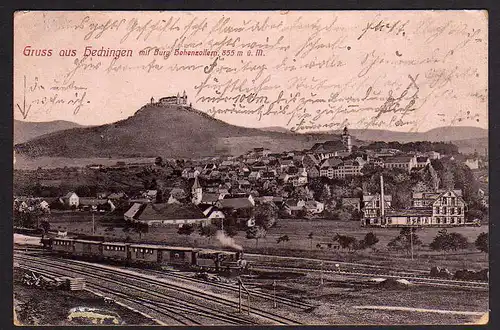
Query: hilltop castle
pixel 177 100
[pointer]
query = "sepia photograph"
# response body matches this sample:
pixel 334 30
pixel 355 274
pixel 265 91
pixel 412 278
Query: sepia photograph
pixel 249 168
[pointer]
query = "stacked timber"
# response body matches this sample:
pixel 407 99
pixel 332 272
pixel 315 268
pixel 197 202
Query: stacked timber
pixel 76 283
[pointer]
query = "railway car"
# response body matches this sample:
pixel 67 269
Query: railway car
pixel 87 249
pixel 179 256
pixel 115 251
pixel 63 246
pixel 144 253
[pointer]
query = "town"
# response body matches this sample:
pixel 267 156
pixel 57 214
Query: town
pixel 335 180
pixel 336 212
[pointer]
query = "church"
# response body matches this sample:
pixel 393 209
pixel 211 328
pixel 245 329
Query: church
pixel 340 147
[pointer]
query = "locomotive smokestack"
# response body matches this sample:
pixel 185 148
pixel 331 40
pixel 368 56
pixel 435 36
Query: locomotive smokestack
pixel 382 202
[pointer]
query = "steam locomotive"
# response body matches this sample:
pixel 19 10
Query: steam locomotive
pixel 143 254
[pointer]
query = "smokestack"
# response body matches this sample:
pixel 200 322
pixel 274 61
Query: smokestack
pixel 382 201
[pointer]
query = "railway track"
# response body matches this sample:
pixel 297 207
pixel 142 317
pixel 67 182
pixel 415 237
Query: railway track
pixel 127 277
pixel 414 278
pixel 254 258
pixel 160 305
pixel 234 288
pixel 226 286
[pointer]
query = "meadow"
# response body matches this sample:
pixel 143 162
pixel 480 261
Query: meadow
pixel 298 230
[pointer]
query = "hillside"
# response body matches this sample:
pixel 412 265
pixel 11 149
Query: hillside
pixel 25 131
pixel 434 135
pixel 170 131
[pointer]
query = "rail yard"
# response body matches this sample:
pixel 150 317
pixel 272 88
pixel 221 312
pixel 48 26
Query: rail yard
pixel 271 291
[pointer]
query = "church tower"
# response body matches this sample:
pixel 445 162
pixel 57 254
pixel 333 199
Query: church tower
pixel 346 139
pixel 196 192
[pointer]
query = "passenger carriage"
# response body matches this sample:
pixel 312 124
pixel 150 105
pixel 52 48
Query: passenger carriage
pixel 63 246
pixel 148 254
pixel 115 251
pixel 87 249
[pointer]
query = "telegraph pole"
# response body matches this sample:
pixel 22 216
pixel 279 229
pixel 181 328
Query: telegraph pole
pixel 274 294
pixel 321 274
pixel 411 241
pixel 239 296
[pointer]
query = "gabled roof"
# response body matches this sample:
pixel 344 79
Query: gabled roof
pixel 331 162
pixel 422 159
pixel 132 211
pixel 398 159
pixel 68 195
pixel 178 193
pixel 196 184
pixel 368 198
pixel 350 200
pixel 329 146
pixel 165 211
pixel 209 198
pixel 235 203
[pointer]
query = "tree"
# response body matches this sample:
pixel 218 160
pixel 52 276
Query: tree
pixel 208 231
pixel 283 238
pixel 159 161
pixel 231 231
pixel 141 228
pixel 45 225
pixel 346 242
pixel 445 241
pixel 369 241
pixel 186 229
pixel 255 232
pixel 266 215
pixel 310 238
pixel 405 239
pixel 481 242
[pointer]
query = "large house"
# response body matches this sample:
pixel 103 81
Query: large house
pixel 71 199
pixel 328 167
pixel 336 168
pixel 444 207
pixel 402 162
pixel 372 208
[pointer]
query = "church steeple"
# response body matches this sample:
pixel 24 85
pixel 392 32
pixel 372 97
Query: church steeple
pixel 196 191
pixel 346 139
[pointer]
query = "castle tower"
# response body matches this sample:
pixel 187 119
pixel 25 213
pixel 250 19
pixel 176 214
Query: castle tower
pixel 196 192
pixel 346 139
pixel 184 98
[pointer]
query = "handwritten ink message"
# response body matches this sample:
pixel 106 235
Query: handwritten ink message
pixel 305 71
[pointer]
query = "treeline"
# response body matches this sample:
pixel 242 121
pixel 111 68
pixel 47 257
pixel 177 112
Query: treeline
pixel 445 148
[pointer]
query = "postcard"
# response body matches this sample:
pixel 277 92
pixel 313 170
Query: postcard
pixel 199 168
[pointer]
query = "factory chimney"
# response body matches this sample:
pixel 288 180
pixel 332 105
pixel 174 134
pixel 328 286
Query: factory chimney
pixel 382 199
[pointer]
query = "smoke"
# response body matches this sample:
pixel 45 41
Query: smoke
pixel 227 241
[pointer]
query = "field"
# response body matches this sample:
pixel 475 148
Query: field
pixel 299 244
pixel 29 163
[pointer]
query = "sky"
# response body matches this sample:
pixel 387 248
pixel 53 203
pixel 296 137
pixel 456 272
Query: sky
pixel 303 70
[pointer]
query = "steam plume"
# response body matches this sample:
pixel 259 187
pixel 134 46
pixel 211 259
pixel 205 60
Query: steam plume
pixel 227 241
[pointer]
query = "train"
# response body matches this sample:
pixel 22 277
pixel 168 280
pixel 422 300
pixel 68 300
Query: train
pixel 144 254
